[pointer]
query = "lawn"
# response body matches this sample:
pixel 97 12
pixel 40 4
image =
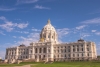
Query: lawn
pixel 21 64
pixel 70 64
pixel 57 64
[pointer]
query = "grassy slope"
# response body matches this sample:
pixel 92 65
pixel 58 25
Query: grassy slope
pixel 70 64
pixel 57 64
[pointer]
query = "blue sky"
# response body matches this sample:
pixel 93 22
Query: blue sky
pixel 22 20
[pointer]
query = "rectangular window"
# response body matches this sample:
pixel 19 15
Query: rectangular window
pixel 69 55
pixel 77 49
pixel 82 49
pixel 73 50
pixel 65 46
pixel 65 50
pixel 82 54
pixel 88 54
pixel 49 36
pixel 65 55
pixel 58 51
pixel 87 49
pixel 49 50
pixel 73 55
pixel 78 55
pixel 68 50
pixel 68 46
pixel 62 51
pixel 81 45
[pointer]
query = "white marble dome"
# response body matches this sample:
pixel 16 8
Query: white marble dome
pixel 48 33
pixel 48 26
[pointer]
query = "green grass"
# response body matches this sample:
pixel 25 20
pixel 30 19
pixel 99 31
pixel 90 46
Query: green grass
pixel 57 64
pixel 10 65
pixel 70 64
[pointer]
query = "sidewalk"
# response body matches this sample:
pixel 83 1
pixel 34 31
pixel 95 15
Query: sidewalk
pixel 23 66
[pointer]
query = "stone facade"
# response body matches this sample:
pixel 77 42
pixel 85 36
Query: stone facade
pixel 49 49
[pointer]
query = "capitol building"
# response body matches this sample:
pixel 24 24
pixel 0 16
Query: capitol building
pixel 49 49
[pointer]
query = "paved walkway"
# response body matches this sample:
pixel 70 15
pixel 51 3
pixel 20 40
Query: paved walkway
pixel 23 66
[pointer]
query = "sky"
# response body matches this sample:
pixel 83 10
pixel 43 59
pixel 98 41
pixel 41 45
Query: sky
pixel 21 21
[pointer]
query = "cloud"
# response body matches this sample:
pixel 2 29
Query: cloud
pixel 3 18
pixel 32 37
pixel 83 35
pixel 2 33
pixel 14 37
pixel 93 31
pixel 9 25
pixel 33 29
pixel 92 21
pixel 97 33
pixel 41 7
pixel 26 1
pixel 22 25
pixel 7 9
pixel 81 27
pixel 62 32
pixel 25 32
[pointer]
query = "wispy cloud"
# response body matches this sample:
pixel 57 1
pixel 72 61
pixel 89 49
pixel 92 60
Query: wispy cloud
pixel 26 1
pixel 24 32
pixel 62 32
pixel 92 21
pixel 97 33
pixel 2 33
pixel 41 7
pixel 3 18
pixel 93 31
pixel 9 25
pixel 81 27
pixel 7 9
pixel 36 30
pixel 14 37
pixel 21 25
pixel 83 35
